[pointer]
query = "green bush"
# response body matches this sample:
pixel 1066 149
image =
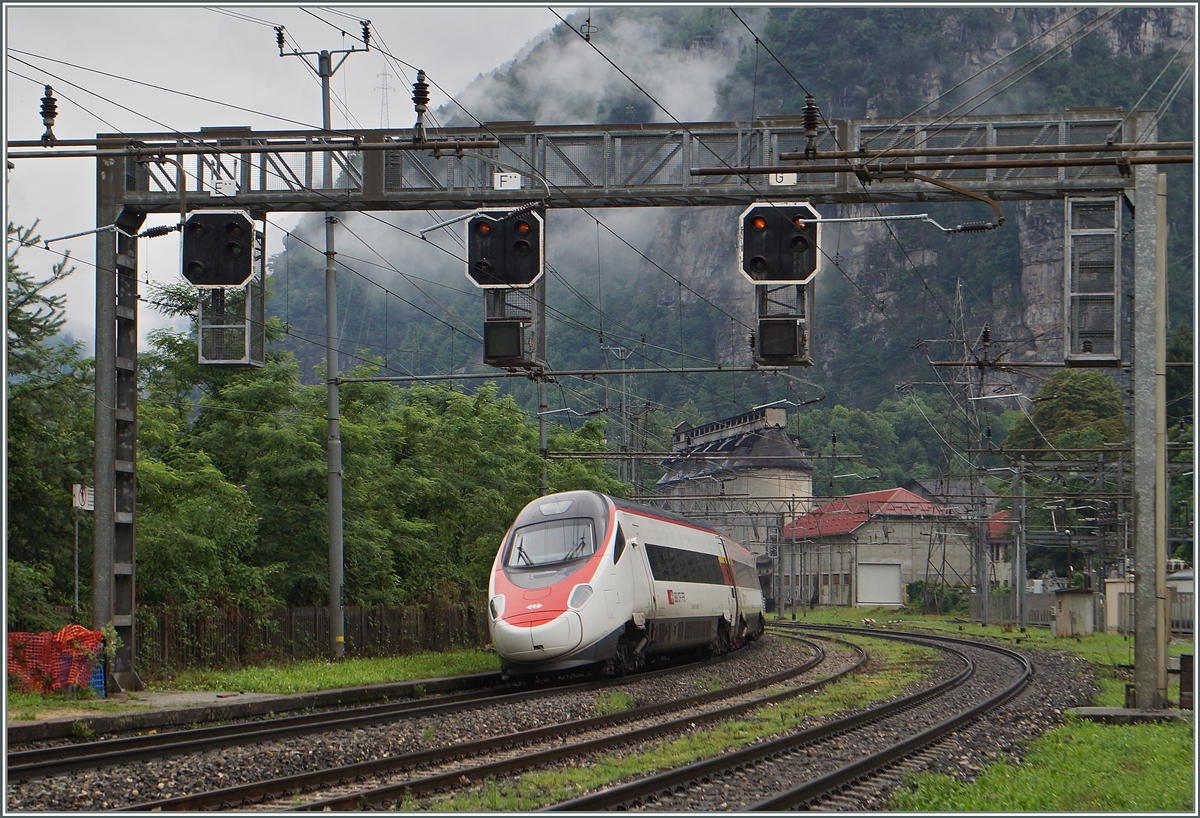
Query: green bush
pixel 932 598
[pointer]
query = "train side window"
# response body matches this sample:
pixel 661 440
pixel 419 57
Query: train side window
pixel 619 547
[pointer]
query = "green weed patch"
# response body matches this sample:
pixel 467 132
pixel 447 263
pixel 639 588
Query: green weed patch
pixel 1079 767
pixel 308 676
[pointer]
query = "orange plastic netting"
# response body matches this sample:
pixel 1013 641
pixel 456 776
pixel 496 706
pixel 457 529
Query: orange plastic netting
pixel 45 662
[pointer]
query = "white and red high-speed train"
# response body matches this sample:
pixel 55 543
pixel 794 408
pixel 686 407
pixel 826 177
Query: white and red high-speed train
pixel 582 578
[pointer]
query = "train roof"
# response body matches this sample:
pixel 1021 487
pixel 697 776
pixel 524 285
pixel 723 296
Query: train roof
pixel 629 505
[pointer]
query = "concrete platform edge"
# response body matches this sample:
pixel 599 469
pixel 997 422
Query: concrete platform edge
pixel 173 716
pixel 1123 715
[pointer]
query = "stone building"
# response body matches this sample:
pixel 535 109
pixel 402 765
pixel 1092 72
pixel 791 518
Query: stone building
pixel 746 476
pixel 864 549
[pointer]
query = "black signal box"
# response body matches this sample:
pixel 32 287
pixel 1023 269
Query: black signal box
pixel 218 248
pixel 505 250
pixel 779 242
pixel 781 342
pixel 504 343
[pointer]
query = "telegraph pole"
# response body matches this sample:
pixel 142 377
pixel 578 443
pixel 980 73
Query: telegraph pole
pixel 337 589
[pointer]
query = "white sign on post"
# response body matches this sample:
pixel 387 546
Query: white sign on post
pixel 83 497
pixel 506 181
pixel 782 179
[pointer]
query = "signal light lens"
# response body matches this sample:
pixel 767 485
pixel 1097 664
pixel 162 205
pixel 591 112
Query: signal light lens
pixel 758 222
pixel 196 230
pixel 196 269
pixel 234 249
pixel 800 244
pixel 522 228
pixel 758 264
pixel 522 247
pixel 800 221
pixel 234 230
pixel 482 228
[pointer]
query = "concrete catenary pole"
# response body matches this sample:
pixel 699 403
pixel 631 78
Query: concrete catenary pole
pixel 1161 486
pixel 1149 560
pixel 1019 537
pixel 333 443
pixel 333 448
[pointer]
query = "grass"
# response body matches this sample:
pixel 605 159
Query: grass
pixel 22 706
pixel 1079 767
pixel 1105 649
pixel 299 677
pixel 313 675
pixel 899 666
pixel 617 701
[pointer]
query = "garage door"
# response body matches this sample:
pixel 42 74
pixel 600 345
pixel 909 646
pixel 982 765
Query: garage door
pixel 879 584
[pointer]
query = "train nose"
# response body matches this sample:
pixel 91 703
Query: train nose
pixel 520 640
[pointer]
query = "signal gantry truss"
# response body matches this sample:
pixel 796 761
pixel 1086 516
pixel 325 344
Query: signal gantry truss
pixel 653 165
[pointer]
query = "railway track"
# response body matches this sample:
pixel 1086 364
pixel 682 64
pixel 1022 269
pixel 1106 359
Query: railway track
pixel 23 765
pixel 803 769
pixel 820 768
pixel 427 771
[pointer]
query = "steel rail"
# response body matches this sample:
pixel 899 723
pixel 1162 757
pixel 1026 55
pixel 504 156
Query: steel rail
pixel 851 773
pixel 36 763
pixel 233 797
pixel 991 150
pixel 921 167
pixel 447 147
pixel 393 793
pixel 670 780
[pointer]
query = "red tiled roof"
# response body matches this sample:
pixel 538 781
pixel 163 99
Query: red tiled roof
pixel 845 514
pixel 999 525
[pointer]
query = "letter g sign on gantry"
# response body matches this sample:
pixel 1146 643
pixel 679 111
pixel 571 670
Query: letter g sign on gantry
pixel 779 243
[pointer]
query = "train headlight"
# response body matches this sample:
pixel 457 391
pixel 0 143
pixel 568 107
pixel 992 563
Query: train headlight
pixel 579 595
pixel 496 606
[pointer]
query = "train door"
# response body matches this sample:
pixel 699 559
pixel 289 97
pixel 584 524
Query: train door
pixel 641 578
pixel 730 575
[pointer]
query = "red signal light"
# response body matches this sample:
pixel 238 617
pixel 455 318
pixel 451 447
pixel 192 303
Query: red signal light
pixel 800 222
pixel 522 228
pixel 483 228
pixel 758 222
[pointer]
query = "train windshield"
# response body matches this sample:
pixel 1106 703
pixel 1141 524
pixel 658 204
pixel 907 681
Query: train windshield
pixel 551 542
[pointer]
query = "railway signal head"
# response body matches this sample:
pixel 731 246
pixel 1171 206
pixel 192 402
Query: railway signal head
pixel 505 250
pixel 218 248
pixel 779 243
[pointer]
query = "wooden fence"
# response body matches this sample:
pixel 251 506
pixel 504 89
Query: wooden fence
pixel 172 640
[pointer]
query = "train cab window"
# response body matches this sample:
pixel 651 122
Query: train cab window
pixel 619 545
pixel 551 542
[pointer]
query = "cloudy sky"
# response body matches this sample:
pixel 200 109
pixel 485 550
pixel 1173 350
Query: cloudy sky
pixel 225 53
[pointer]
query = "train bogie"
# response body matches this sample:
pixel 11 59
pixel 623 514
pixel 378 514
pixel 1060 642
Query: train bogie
pixel 585 579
